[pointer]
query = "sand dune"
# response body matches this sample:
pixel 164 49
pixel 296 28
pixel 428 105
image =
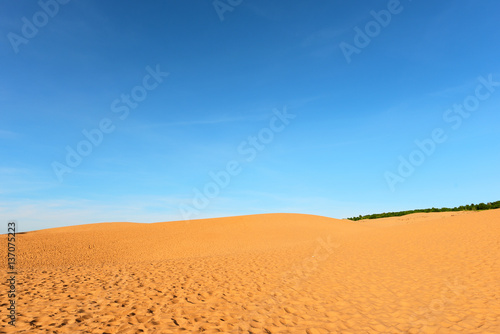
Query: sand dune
pixel 273 273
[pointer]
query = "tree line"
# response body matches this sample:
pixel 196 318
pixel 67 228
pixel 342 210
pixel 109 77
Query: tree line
pixel 471 207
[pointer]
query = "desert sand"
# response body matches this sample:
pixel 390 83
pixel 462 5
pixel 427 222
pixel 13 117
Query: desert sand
pixel 272 273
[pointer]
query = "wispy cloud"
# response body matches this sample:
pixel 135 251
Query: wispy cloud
pixel 48 213
pixel 264 10
pixel 322 43
pixel 5 94
pixel 454 90
pixel 6 134
pixel 209 121
pixel 15 181
pixel 464 88
pixel 322 37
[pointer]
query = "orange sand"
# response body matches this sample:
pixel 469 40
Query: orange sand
pixel 276 273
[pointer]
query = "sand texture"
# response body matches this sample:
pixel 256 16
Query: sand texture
pixel 273 273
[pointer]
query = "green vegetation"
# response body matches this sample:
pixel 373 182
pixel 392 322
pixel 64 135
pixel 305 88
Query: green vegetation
pixel 472 207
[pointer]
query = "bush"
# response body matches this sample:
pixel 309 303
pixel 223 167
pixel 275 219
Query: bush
pixel 480 206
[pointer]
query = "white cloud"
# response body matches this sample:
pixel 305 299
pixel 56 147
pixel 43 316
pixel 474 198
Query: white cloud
pixel 38 214
pixel 5 134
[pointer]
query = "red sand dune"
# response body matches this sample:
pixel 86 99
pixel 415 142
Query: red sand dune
pixel 273 273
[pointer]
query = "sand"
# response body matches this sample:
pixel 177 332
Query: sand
pixel 273 273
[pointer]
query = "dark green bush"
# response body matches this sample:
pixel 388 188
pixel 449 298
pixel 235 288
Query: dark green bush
pixel 480 206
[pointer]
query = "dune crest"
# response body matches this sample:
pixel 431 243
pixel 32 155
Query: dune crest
pixel 270 273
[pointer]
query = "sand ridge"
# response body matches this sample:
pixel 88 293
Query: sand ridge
pixel 273 273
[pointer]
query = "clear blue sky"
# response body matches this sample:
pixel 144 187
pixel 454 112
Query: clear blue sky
pixel 355 104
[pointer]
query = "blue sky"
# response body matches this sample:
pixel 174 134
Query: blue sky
pixel 233 73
